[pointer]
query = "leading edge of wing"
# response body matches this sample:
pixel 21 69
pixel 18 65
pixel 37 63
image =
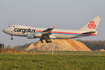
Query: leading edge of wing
pixel 49 29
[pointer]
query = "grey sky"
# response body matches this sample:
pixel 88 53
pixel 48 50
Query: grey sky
pixel 65 14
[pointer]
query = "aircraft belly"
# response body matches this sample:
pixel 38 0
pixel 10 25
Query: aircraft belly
pixel 63 36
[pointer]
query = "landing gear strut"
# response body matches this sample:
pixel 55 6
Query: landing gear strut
pixel 11 37
pixel 41 40
pixel 47 40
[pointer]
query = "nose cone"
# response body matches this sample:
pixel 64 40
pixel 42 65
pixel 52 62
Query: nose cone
pixel 6 30
pixel 3 30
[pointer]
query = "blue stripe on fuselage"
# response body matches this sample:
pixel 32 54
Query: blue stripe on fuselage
pixel 68 34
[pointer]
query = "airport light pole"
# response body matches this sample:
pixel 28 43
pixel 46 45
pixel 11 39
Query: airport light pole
pixel 2 47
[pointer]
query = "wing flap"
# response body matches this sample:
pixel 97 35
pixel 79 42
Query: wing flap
pixel 47 32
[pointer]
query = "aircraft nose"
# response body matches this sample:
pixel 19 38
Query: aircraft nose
pixel 5 30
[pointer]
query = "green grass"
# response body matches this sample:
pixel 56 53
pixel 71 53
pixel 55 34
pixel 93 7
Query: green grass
pixel 23 61
pixel 95 53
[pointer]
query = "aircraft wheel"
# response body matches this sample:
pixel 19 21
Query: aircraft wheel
pixel 41 41
pixel 11 38
pixel 47 41
pixel 50 41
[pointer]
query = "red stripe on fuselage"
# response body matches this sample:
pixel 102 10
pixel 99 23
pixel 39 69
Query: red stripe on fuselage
pixel 67 33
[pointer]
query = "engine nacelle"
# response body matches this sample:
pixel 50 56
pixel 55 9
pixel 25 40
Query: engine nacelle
pixel 31 36
pixel 38 35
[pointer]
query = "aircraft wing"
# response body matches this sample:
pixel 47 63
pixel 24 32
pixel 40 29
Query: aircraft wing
pixel 47 31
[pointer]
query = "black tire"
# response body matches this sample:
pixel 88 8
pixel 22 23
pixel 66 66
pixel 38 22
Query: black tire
pixel 11 38
pixel 47 41
pixel 41 41
pixel 50 41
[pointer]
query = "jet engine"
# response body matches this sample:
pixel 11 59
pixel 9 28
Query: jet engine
pixel 32 36
pixel 38 35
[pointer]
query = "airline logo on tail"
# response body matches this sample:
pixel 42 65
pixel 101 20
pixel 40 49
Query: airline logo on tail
pixel 92 25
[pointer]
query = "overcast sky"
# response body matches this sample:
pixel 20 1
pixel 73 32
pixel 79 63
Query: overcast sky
pixel 65 14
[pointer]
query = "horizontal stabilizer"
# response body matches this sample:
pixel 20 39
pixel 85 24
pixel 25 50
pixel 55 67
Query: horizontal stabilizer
pixel 89 32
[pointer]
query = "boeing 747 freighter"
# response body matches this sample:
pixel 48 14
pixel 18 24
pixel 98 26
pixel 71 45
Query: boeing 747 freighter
pixel 50 33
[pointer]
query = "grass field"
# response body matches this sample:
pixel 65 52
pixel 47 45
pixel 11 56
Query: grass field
pixel 57 61
pixel 98 53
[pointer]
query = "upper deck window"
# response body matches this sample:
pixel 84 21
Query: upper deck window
pixel 11 26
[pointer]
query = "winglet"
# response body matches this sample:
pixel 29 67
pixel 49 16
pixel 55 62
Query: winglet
pixel 54 26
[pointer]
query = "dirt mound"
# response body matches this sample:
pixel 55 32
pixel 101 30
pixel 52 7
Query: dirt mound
pixel 59 45
pixel 102 50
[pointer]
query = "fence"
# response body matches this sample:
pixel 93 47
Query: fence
pixel 93 53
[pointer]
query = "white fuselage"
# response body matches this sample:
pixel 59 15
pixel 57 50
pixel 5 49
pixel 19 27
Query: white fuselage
pixel 19 30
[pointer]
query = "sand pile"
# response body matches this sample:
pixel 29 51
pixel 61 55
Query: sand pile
pixel 102 50
pixel 59 45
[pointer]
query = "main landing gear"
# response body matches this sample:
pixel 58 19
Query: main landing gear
pixel 41 40
pixel 47 40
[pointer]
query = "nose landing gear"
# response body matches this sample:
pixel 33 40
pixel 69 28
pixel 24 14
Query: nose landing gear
pixel 11 37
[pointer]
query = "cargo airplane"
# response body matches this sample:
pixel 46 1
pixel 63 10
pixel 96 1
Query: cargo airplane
pixel 50 33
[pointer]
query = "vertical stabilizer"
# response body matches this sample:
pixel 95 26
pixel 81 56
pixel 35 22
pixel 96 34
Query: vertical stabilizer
pixel 92 25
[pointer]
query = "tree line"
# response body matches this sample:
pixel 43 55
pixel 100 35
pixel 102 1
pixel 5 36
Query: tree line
pixel 94 45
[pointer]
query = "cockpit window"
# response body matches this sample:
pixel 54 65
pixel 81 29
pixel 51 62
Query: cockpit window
pixel 13 26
